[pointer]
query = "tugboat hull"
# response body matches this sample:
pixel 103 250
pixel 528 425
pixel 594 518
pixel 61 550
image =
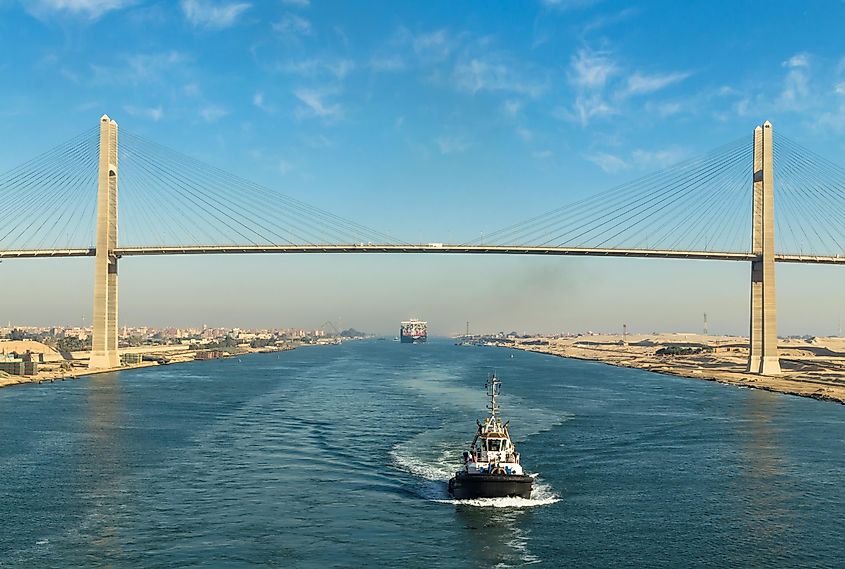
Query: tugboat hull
pixel 469 486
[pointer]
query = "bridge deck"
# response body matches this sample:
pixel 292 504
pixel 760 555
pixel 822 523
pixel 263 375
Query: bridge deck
pixel 418 249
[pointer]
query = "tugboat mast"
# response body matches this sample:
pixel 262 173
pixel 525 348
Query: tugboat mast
pixel 493 386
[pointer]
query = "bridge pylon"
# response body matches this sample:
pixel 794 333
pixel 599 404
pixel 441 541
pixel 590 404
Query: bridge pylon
pixel 104 336
pixel 763 338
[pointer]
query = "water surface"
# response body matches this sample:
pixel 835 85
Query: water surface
pixel 338 456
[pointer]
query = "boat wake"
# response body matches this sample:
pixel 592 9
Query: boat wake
pixel 432 482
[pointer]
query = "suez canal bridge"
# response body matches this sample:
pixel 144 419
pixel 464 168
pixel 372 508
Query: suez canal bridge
pixel 172 204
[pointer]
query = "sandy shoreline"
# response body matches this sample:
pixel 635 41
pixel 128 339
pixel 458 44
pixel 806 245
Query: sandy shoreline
pixel 811 368
pixel 175 354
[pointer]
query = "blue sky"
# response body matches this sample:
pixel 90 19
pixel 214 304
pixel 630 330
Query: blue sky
pixel 431 121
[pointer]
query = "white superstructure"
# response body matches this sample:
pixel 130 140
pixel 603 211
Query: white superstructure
pixel 492 451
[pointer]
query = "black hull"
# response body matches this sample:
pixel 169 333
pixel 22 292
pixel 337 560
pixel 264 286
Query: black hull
pixel 413 339
pixel 468 486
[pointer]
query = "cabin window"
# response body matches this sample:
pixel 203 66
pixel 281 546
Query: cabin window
pixel 493 444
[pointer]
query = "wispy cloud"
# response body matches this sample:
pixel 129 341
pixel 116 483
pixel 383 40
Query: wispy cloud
pixel 90 9
pixel 314 104
pixel 212 113
pixel 610 163
pixel 260 103
pixel 452 144
pixel 297 3
pixel 512 107
pixel 286 167
pixel 143 68
pixel 565 5
pixel 639 84
pixel 655 159
pixel 796 83
pixel 428 47
pixel 205 14
pixel 292 25
pixel 315 67
pixel 526 134
pixel 153 113
pixel 591 70
pixel 476 74
pixel 604 88
pixel 638 159
pixel 585 108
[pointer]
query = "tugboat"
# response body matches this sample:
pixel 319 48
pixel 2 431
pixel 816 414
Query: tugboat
pixel 491 466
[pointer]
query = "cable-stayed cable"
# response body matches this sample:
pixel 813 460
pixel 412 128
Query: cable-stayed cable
pixel 682 207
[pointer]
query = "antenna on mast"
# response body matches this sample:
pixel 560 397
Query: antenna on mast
pixel 493 385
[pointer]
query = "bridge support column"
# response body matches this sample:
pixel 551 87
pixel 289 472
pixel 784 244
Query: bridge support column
pixel 763 339
pixel 104 337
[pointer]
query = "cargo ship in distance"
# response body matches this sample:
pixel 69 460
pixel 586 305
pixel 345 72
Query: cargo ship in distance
pixel 413 331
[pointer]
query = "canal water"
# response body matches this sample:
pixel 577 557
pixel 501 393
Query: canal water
pixel 338 456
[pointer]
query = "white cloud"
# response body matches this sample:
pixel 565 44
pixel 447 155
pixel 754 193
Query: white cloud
pixel 436 42
pixel 191 90
pixel 798 60
pixel 603 88
pixel 431 46
pixel 212 113
pixel 339 68
pixel 259 102
pixel 315 105
pixel 205 14
pixel 586 108
pixel 91 9
pixel 657 159
pixel 639 159
pixel 286 167
pixel 525 134
pixel 512 107
pixel 591 70
pixel 293 25
pixel 665 108
pixel 317 141
pixel 153 113
pixel 639 84
pixel 795 93
pixel 565 5
pixel 607 162
pixel 142 68
pixel 452 144
pixel 478 74
pixel 297 3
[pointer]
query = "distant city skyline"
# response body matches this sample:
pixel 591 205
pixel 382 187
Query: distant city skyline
pixel 430 122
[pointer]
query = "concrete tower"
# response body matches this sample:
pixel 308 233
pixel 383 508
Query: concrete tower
pixel 104 339
pixel 763 345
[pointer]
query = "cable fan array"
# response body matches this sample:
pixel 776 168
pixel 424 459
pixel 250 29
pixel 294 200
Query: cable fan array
pixel 809 201
pixel 701 204
pixel 167 199
pixel 50 201
pixel 170 199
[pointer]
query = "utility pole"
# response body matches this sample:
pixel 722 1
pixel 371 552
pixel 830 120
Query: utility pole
pixel 624 334
pixel 467 334
pixel 705 323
